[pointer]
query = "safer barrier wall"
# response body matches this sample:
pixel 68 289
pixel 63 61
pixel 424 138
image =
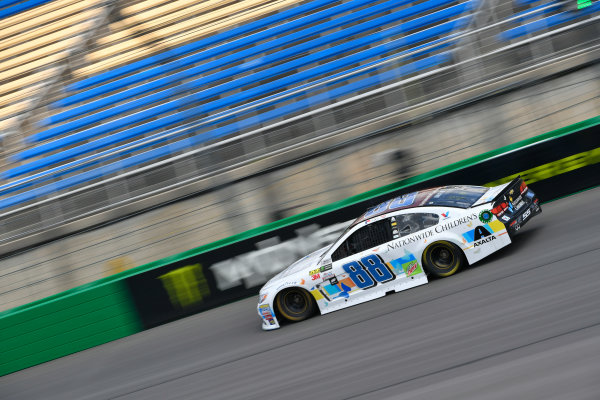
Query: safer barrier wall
pixel 554 165
pixel 66 323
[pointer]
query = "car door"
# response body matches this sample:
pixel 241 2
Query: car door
pixel 356 264
pixel 411 232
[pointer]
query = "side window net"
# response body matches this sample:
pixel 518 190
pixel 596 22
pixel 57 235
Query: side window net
pixel 368 236
pixel 411 223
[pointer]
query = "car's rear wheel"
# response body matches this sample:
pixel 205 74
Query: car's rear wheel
pixel 295 304
pixel 442 259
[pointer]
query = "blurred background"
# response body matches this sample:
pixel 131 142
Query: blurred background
pixel 135 130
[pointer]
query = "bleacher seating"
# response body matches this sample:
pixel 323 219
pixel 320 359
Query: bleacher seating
pixel 145 45
pixel 33 43
pixel 13 7
pixel 155 84
pixel 552 15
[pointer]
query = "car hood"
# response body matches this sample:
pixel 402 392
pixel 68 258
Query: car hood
pixel 302 264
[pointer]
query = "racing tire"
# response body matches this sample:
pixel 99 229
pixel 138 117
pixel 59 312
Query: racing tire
pixel 442 259
pixel 295 304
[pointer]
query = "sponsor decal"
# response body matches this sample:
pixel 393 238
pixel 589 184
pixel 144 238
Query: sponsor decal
pixel 554 168
pixel 483 241
pixel 314 271
pixel 410 239
pixel 315 277
pixel 505 218
pixel 526 214
pixel 511 207
pixel 186 286
pixel 482 231
pixel 453 224
pixel 446 215
pixel 412 268
pixel 267 313
pixel 317 294
pixel 262 297
pixel 345 291
pixel 485 216
pixel 325 268
pixel 407 265
pixel 332 289
pixel 327 275
pixel 423 235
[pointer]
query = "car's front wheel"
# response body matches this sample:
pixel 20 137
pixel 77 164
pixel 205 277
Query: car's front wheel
pixel 295 304
pixel 442 259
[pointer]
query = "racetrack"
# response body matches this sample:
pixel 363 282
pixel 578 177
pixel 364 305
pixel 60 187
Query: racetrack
pixel 522 324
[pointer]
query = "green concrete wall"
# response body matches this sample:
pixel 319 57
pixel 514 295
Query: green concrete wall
pixel 64 324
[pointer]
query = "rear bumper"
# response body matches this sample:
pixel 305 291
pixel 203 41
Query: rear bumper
pixel 530 207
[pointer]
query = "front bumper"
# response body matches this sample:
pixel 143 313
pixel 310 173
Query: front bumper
pixel 267 316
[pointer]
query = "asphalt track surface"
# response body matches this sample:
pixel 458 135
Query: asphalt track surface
pixel 522 324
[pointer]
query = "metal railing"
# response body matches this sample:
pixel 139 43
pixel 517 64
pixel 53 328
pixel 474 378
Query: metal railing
pixel 482 65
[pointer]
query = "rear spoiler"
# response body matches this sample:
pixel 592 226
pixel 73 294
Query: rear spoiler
pixel 512 191
pixel 506 204
pixel 490 195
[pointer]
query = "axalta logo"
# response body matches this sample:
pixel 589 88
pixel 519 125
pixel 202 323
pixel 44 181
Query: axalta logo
pixel 483 241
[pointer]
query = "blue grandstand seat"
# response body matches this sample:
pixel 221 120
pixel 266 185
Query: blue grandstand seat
pixel 209 52
pixel 250 79
pixel 416 43
pixel 179 117
pixel 220 61
pixel 10 7
pixel 198 45
pixel 170 148
pixel 268 59
pixel 548 22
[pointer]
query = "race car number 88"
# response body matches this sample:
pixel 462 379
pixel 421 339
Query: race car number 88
pixel 369 270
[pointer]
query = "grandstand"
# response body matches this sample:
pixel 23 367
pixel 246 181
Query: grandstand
pixel 106 103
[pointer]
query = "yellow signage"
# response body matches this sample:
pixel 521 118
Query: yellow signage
pixel 186 286
pixel 554 168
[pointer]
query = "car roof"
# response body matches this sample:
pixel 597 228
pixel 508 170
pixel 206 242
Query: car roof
pixel 456 196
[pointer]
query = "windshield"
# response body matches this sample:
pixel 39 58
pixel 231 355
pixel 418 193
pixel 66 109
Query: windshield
pixel 456 196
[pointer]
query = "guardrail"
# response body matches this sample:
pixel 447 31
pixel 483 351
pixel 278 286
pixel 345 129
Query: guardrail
pixel 555 164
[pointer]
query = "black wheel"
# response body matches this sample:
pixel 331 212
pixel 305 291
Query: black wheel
pixel 443 259
pixel 295 304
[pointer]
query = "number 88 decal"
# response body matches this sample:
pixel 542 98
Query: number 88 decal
pixel 369 270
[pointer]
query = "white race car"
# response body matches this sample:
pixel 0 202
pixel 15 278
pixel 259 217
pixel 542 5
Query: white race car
pixel 396 246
